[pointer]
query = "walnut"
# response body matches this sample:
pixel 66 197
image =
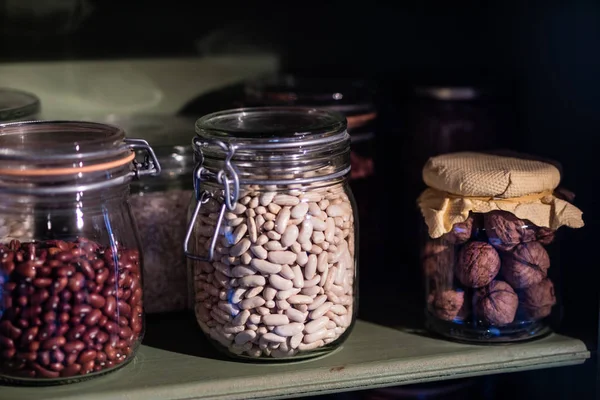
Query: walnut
pixel 448 305
pixel 478 264
pixel 526 265
pixel 545 235
pixel 438 263
pixel 496 303
pixel 460 233
pixel 505 231
pixel 537 300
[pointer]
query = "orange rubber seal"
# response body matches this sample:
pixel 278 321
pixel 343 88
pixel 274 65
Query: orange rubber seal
pixel 354 121
pixel 67 171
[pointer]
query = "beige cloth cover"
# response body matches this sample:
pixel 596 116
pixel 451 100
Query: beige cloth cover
pixel 460 183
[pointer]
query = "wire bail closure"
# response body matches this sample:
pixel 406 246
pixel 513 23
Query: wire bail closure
pixel 228 178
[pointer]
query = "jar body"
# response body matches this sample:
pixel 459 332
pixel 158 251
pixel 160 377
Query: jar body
pixel 491 279
pixel 71 287
pixel 160 211
pixel 283 280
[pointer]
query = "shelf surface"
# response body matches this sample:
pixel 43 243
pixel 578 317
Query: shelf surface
pixel 177 363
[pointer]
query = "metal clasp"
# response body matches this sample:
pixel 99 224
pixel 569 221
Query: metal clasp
pixel 150 165
pixel 229 179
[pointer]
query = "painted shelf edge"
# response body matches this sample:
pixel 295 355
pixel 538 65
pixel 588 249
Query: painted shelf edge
pixel 374 356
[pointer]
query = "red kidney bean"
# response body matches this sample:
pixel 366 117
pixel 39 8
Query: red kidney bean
pixel 22 301
pixel 102 337
pixel 62 330
pixel 110 351
pixel 57 356
pixel 87 269
pixel 7 354
pixel 34 346
pixel 76 282
pixel 101 276
pixel 7 302
pixel 57 367
pixel 44 372
pixel 70 370
pixel 82 309
pixel 54 343
pixel 103 320
pixel 49 317
pixel 73 347
pixel 100 356
pixel 42 296
pixel 29 336
pixel 87 356
pixel 97 264
pixel 64 317
pixel 88 367
pixel 110 306
pixel 63 256
pixel 43 357
pixel 9 330
pixel 6 342
pixel 60 284
pixel 42 282
pixel 65 271
pixel 96 300
pixel 93 317
pixel 124 308
pixel 26 356
pixel 111 327
pixel 26 269
pixel 46 332
pixel 8 267
pixel 76 332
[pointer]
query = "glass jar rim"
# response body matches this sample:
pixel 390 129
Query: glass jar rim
pixel 17 104
pixel 272 126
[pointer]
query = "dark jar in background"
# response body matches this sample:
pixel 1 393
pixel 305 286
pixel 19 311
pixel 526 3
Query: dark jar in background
pixel 71 280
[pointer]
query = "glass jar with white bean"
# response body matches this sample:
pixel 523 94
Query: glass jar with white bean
pixel 272 240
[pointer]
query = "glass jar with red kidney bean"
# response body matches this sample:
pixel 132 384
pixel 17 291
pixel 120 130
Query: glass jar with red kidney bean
pixel 70 286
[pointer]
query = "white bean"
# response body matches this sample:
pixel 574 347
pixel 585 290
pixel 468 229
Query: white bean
pixel 290 329
pixel 317 301
pixel 321 310
pixel 302 258
pixel 253 302
pixel 295 315
pixel 283 305
pixel 286 200
pixel 311 267
pixel 289 236
pixel 273 208
pixel 285 294
pixel 254 292
pixel 259 252
pixel 273 245
pixel 282 219
pixel 272 337
pixel 275 319
pixel 252 280
pixel 240 248
pixel 282 257
pixel 299 299
pixel 318 224
pixel 266 198
pixel 338 309
pixel 280 283
pixel 299 210
pixel 297 278
pixel 244 337
pixel 269 293
pixel 238 234
pixel 296 340
pixel 316 325
pixel 252 230
pixel 312 291
pixel 265 267
pixel 241 318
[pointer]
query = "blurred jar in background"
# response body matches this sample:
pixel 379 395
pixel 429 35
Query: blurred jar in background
pixel 16 105
pixel 352 98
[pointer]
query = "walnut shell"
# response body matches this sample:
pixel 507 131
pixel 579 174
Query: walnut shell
pixel 448 305
pixel 537 300
pixel 460 233
pixel 478 264
pixel 505 231
pixel 545 235
pixel 496 303
pixel 438 263
pixel 526 265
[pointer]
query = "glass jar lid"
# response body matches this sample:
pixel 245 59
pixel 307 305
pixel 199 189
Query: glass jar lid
pixel 17 105
pixel 273 145
pixel 68 156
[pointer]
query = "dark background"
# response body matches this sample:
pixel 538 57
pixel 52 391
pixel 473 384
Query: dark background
pixel 544 60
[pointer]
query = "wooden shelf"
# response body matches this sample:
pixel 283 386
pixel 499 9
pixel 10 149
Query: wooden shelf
pixel 184 366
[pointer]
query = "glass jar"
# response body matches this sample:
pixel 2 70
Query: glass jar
pixel 71 295
pixel 273 239
pixel 16 105
pixel 487 259
pixel 160 206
